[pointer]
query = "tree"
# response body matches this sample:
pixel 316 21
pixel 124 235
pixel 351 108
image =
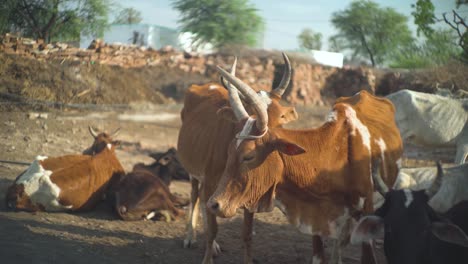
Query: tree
pixel 309 40
pixel 437 49
pixel 220 22
pixel 370 31
pixel 128 16
pixel 48 19
pixel 425 19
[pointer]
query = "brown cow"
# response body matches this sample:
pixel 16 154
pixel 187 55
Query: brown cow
pixel 143 195
pixel 203 142
pixel 67 183
pixel 318 177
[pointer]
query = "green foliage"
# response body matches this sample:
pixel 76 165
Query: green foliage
pixel 370 31
pixel 52 19
pixel 308 40
pixel 128 16
pixel 424 16
pixel 437 49
pixel 220 22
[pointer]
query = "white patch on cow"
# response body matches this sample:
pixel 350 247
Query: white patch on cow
pixel 109 146
pixel 305 229
pixel 265 97
pixel 357 125
pixel 39 187
pixel 150 215
pixel 399 163
pixel 383 147
pixel 213 87
pixel 409 197
pixel 360 204
pixel 331 117
pixel 316 260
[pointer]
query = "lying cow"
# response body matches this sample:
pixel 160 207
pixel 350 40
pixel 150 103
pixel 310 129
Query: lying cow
pixel 166 166
pixel 67 183
pixel 142 195
pixel 413 232
pixel 432 120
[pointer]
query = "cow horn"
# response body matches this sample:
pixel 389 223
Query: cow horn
pixel 251 97
pixel 226 84
pixel 379 184
pixel 115 133
pixel 431 191
pixel 92 132
pixel 279 91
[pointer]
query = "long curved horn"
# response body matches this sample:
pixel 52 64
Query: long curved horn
pixel 92 132
pixel 431 191
pixel 115 133
pixel 226 84
pixel 379 184
pixel 251 97
pixel 279 91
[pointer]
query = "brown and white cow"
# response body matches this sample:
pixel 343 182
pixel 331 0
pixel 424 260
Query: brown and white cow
pixel 203 142
pixel 320 177
pixel 67 183
pixel 141 195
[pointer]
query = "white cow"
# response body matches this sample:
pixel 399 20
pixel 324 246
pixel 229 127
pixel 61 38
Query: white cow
pixel 454 186
pixel 432 120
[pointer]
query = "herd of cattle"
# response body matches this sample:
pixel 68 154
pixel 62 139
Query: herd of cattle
pixel 233 149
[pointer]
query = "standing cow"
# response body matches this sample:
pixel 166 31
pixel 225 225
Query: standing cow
pixel 432 120
pixel 67 183
pixel 204 137
pixel 413 232
pixel 318 177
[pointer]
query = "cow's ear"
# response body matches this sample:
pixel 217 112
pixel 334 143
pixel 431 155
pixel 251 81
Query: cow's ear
pixel 287 147
pixel 228 114
pixel 369 227
pixel 449 233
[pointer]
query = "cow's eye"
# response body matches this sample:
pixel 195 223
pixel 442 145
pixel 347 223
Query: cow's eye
pixel 247 158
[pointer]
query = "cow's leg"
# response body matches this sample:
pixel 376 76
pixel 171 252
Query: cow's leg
pixel 367 249
pixel 212 248
pixel 318 254
pixel 247 231
pixel 191 231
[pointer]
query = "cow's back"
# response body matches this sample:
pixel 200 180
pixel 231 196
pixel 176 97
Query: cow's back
pixel 204 136
pixel 429 119
pixel 377 114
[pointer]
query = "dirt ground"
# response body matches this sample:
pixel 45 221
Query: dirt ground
pixel 98 236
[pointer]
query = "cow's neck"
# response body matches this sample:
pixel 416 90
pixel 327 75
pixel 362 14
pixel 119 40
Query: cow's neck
pixel 317 171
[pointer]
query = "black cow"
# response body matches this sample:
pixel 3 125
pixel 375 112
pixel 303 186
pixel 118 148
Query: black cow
pixel 166 166
pixel 413 232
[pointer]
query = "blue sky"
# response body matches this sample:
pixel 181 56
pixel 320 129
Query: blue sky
pixel 284 19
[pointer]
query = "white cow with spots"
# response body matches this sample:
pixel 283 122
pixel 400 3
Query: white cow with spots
pixel 432 120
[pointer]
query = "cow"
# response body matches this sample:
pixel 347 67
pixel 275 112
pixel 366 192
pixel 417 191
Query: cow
pixel 320 178
pixel 166 166
pixel 432 120
pixel 452 191
pixel 67 183
pixel 413 232
pixel 141 195
pixel 203 142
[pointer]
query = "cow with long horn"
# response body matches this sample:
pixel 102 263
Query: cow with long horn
pixel 207 128
pixel 413 232
pixel 318 177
